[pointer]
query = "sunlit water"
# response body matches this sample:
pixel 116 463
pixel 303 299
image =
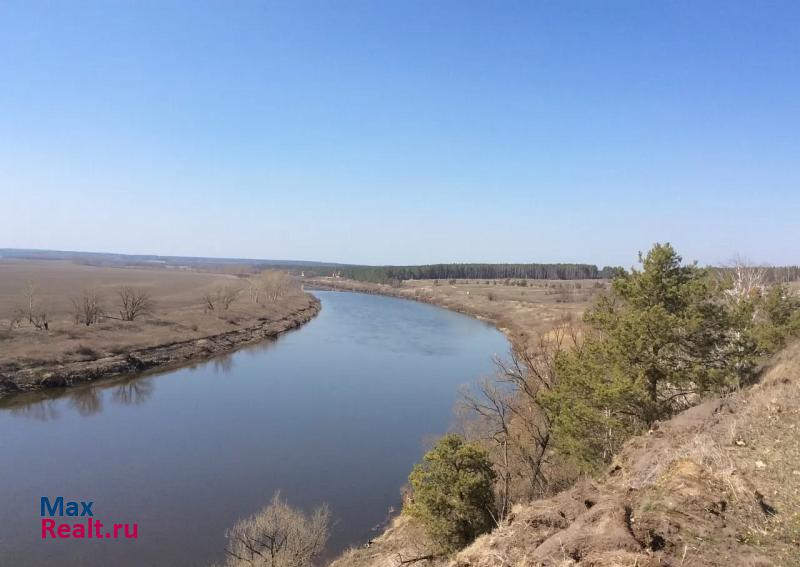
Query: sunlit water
pixel 336 412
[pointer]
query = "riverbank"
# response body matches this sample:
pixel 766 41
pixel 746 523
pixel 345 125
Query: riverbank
pixel 165 356
pixel 714 485
pixel 186 315
pixel 521 312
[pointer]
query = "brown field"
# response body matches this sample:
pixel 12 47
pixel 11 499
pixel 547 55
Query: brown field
pixel 521 312
pixel 178 313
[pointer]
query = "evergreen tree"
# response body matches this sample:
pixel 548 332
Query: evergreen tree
pixel 452 492
pixel 659 339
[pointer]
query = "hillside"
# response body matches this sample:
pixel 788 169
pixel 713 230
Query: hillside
pixel 718 484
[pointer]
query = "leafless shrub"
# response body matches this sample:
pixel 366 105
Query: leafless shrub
pixel 270 285
pixel 86 309
pixel 34 311
pixel 40 318
pixel 278 536
pixel 221 299
pixel 507 414
pixel 226 296
pixel 492 407
pixel 133 303
pixel 209 301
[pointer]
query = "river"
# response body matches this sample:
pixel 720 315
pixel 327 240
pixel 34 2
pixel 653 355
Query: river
pixel 337 411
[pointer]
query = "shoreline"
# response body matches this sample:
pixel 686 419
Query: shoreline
pixel 354 286
pixel 168 356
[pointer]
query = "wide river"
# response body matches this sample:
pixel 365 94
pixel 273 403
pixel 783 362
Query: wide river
pixel 335 412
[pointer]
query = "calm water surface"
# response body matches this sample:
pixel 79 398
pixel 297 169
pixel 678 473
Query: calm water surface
pixel 337 412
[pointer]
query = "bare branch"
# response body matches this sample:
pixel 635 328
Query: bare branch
pixel 133 303
pixel 278 536
pixel 86 309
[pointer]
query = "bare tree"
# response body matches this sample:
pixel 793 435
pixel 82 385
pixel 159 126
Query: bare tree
pixel 748 279
pixel 492 406
pixel 209 302
pixel 30 300
pixel 270 285
pixel 133 303
pixel 34 310
pixel 86 309
pixel 513 419
pixel 220 299
pixel 278 536
pixel 41 318
pixel 226 296
pixel 748 282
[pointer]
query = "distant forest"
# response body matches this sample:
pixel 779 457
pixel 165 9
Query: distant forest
pixel 392 274
pixel 388 274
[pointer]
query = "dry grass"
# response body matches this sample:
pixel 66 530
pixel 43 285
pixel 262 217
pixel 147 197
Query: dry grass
pixel 177 315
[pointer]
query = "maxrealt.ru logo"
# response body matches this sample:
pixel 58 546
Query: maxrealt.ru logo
pixel 82 523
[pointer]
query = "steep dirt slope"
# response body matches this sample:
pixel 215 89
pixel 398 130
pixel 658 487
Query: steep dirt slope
pixel 717 485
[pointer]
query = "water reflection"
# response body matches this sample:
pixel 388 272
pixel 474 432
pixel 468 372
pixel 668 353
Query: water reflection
pixel 45 410
pixel 223 364
pixel 133 391
pixel 86 400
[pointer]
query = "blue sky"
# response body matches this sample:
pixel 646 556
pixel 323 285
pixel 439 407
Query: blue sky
pixel 402 132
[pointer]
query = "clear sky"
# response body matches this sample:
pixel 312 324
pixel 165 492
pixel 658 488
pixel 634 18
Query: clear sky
pixel 402 131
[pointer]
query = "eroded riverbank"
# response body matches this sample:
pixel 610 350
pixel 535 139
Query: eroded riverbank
pixel 28 377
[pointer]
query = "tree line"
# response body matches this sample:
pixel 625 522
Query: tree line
pixel 389 274
pixel 533 271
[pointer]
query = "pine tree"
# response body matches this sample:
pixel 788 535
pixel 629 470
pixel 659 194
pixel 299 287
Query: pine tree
pixel 656 342
pixel 452 492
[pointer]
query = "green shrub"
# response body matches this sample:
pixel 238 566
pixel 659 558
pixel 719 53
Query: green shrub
pixel 780 319
pixel 452 493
